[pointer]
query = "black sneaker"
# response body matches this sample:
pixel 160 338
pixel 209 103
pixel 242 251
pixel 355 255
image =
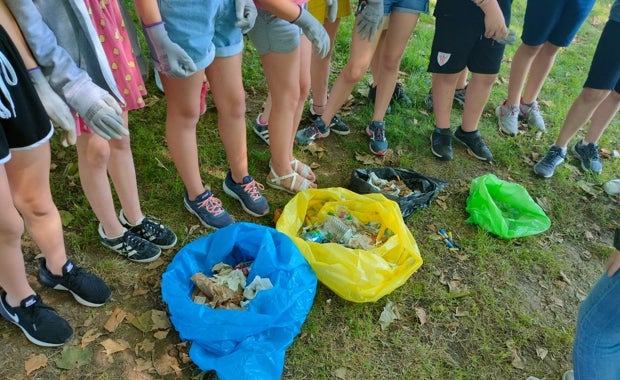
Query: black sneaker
pixel 39 322
pixel 459 98
pixel 475 145
pixel 151 230
pixel 86 288
pixel 338 126
pixel 400 96
pixel 441 144
pixel 131 246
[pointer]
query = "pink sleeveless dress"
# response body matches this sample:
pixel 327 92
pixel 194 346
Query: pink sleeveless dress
pixel 108 22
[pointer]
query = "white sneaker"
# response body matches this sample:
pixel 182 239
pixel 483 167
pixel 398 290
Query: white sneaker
pixel 612 187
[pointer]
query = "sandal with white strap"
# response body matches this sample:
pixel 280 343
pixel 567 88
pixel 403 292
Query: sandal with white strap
pixel 276 182
pixel 303 170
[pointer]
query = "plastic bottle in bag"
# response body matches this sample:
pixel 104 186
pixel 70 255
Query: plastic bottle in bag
pixel 337 230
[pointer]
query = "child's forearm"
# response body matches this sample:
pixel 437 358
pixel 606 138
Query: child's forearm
pixel 148 11
pixel 283 9
pixel 11 27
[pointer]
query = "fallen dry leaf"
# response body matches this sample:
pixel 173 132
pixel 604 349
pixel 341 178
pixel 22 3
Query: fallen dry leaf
pixel 421 313
pixel 541 352
pixel 588 235
pixel 160 320
pixel 341 373
pixel 112 346
pixel 388 315
pixel 115 319
pixel 161 334
pixel 166 365
pixel 90 336
pixel 35 362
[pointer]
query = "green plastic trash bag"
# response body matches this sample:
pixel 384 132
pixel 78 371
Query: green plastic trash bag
pixel 504 208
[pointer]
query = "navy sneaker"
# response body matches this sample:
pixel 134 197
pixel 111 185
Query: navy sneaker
pixel 261 130
pixel 151 230
pixel 378 142
pixel 209 210
pixel 39 322
pixel 248 194
pixel 441 144
pixel 589 157
pixel 459 98
pixel 86 288
pixel 316 130
pixel 131 246
pixel 546 166
pixel 336 125
pixel 475 145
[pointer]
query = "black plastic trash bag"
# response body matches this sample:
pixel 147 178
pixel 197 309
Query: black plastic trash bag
pixel 241 344
pixel 423 188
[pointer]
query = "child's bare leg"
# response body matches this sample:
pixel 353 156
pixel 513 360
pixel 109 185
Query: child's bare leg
pixel 541 66
pixel 12 269
pixel 225 78
pixel 443 89
pixel 397 36
pixel 29 178
pixel 93 158
pixel 123 174
pixel 603 115
pixel 183 111
pixel 478 92
pixel 319 70
pixel 585 106
pixel 519 69
pixel 360 57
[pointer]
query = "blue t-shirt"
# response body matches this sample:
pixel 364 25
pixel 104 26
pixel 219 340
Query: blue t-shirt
pixel 615 11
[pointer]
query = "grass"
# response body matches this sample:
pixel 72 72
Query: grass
pixel 522 294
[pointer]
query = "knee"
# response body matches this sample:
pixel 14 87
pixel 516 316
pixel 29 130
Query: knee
pixel 34 205
pixel 12 228
pixel 593 96
pixel 233 107
pixel 97 155
pixel 354 73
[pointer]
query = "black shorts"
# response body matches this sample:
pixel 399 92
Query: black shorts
pixel 605 67
pixel 24 123
pixel 459 40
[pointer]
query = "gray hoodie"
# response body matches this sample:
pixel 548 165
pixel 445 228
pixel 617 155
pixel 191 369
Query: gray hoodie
pixel 67 48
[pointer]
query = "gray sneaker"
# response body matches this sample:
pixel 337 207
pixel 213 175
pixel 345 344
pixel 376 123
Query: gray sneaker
pixel 508 119
pixel 261 130
pixel 589 157
pixel 554 158
pixel 531 114
pixel 475 145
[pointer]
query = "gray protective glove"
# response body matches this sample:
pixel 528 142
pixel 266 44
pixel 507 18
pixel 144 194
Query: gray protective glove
pixel 246 15
pixel 103 116
pixel 332 10
pixel 370 14
pixel 55 107
pixel 169 57
pixel 510 38
pixel 315 32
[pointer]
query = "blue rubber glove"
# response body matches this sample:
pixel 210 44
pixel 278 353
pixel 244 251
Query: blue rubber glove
pixel 332 10
pixel 315 32
pixel 246 15
pixel 55 107
pixel 169 58
pixel 370 15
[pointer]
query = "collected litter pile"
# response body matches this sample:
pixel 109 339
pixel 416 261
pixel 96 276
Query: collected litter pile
pixel 227 289
pixel 343 228
pixel 395 187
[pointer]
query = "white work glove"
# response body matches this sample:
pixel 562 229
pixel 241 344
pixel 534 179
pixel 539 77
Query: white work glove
pixel 246 15
pixel 332 10
pixel 169 57
pixel 370 16
pixel 315 32
pixel 56 108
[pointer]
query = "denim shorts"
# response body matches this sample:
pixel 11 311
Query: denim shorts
pixel 405 6
pixel 204 29
pixel 273 34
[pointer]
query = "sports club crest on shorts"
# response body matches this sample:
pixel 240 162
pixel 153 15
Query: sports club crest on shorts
pixel 442 58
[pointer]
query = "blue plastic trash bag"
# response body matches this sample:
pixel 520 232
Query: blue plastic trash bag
pixel 241 344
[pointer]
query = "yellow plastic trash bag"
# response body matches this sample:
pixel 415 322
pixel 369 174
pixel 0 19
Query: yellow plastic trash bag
pixel 356 275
